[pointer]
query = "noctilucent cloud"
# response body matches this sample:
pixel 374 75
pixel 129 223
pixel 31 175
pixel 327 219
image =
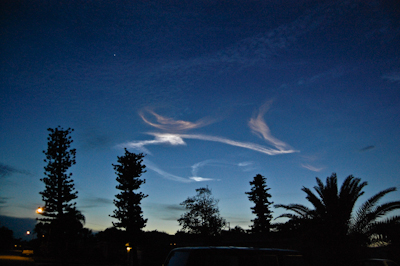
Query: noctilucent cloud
pixel 213 92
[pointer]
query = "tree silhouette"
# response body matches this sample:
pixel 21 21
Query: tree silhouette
pixel 333 222
pixel 60 209
pixel 259 195
pixel 7 238
pixel 202 216
pixel 129 169
pixel 367 226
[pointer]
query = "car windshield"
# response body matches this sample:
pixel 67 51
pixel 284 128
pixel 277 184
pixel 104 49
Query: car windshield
pixel 231 258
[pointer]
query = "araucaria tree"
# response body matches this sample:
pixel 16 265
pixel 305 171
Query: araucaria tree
pixel 128 212
pixel 202 216
pixel 260 196
pixel 60 208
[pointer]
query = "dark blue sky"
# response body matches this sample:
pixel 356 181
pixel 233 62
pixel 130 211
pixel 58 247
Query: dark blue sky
pixel 214 92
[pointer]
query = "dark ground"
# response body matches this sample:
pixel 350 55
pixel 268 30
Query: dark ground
pixel 16 258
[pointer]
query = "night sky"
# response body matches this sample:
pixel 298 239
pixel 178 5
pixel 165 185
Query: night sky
pixel 212 91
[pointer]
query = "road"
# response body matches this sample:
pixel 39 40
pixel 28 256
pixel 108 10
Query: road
pixel 14 258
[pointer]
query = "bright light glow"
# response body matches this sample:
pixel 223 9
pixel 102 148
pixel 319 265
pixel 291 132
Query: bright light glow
pixel 28 232
pixel 39 210
pixel 200 179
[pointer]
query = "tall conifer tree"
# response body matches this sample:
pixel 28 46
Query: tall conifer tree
pixel 59 194
pixel 129 169
pixel 260 196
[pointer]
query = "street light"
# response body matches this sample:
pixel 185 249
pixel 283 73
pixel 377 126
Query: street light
pixel 39 210
pixel 28 233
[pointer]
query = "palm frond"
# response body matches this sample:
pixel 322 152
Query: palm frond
pixel 368 205
pixel 301 210
pixel 333 212
pixel 288 215
pixel 351 190
pixel 313 199
pixel 368 213
pixel 394 220
pixel 383 209
pixel 384 227
pixel 320 187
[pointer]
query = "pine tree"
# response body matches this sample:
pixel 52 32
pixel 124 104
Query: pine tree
pixel 259 195
pixel 59 194
pixel 129 169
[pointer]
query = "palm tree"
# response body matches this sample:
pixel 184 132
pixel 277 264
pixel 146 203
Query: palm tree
pixel 367 223
pixel 332 217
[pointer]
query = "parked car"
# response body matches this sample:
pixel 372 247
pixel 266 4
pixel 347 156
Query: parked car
pixel 374 262
pixel 233 256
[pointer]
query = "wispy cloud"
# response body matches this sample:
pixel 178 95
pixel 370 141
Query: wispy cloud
pixel 168 139
pixel 246 145
pixel 92 138
pixel 247 166
pixel 169 77
pixel 312 168
pixel 197 166
pixel 6 170
pixel 211 162
pixel 166 175
pixel 393 76
pixel 200 179
pixel 172 207
pixel 169 124
pixel 368 148
pixel 166 212
pixel 259 127
pixel 244 164
pixel 259 48
pixel 95 202
pixel 257 124
pixel 3 200
pixel 325 75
